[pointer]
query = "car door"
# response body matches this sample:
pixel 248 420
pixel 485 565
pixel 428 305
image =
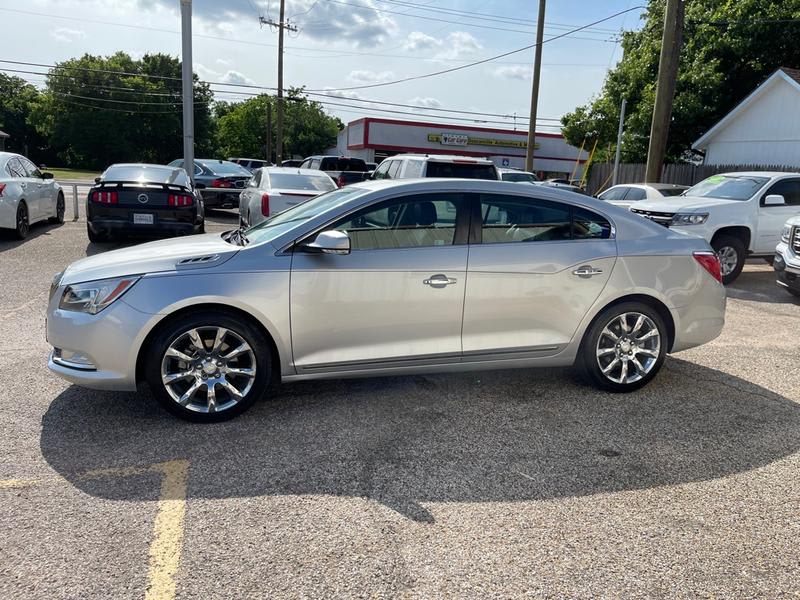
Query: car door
pixel 44 197
pixel 535 268
pixel 395 299
pixel 250 197
pixel 772 218
pixel 30 191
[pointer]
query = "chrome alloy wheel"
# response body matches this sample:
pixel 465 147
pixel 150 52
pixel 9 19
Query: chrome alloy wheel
pixel 628 347
pixel 728 259
pixel 208 369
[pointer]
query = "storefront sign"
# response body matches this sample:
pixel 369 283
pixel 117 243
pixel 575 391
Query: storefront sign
pixel 454 139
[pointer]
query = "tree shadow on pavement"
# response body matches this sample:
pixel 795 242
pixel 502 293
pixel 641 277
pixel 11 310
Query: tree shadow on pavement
pixel 491 436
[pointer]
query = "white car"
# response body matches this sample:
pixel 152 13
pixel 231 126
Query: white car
pixel 414 166
pixel 27 195
pixel 517 175
pixel 787 257
pixel 274 189
pixel 740 214
pixel 627 194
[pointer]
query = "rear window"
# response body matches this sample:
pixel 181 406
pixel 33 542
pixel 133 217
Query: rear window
pixel 672 191
pixel 462 170
pixel 520 177
pixel 148 174
pixel 289 181
pixel 343 164
pixel 226 168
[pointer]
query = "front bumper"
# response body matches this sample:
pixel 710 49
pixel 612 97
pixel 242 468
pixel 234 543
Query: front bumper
pixel 109 341
pixel 787 268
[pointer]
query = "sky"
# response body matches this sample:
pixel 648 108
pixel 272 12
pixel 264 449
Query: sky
pixel 341 44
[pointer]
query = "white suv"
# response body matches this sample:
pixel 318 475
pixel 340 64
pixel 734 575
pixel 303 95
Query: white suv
pixel 413 166
pixel 740 214
pixel 787 257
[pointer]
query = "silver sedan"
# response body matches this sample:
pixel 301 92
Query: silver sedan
pixel 387 278
pixel 27 195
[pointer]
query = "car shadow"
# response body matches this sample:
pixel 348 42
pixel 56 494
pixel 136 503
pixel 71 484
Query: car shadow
pixel 491 436
pixel 9 241
pixel 759 286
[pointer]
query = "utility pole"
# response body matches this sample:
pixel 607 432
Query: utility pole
pixel 665 88
pixel 619 141
pixel 188 88
pixel 269 131
pixel 537 68
pixel 281 25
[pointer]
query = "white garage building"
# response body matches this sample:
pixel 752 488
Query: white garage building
pixel 763 129
pixel 374 139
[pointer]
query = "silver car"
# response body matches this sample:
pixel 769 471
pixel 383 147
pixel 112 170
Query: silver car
pixel 27 195
pixel 387 278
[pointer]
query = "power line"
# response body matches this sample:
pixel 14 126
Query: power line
pixel 483 61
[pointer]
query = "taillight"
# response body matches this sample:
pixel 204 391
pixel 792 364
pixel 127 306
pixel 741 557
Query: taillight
pixel 179 200
pixel 105 197
pixel 265 204
pixel 710 262
pixel 2 187
pixel 340 181
pixel 221 183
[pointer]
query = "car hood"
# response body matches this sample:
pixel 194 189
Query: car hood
pixel 209 250
pixel 682 204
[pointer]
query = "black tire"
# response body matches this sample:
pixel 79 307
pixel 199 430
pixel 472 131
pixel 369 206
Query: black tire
pixel 793 292
pixel 61 208
pixel 96 238
pixel 589 363
pixel 206 323
pixel 23 225
pixel 723 245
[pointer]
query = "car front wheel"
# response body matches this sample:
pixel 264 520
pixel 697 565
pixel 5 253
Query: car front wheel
pixel 731 253
pixel 208 367
pixel 624 348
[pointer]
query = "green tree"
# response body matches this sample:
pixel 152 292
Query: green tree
pixel 17 98
pixel 729 48
pixel 99 110
pixel 242 126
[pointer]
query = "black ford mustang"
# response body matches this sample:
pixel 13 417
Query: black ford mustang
pixel 142 199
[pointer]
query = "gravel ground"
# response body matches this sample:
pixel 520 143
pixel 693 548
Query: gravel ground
pixel 483 485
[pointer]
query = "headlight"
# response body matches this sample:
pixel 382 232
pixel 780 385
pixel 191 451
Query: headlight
pixel 93 296
pixel 787 231
pixel 689 219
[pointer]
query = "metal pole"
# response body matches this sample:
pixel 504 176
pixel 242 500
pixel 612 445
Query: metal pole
pixel 269 131
pixel 279 132
pixel 665 89
pixel 188 88
pixel 76 210
pixel 619 142
pixel 537 67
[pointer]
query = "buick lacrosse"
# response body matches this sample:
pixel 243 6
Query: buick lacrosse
pixel 387 278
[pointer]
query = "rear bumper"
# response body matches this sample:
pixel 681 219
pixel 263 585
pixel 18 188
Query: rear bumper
pixel 702 320
pixel 221 196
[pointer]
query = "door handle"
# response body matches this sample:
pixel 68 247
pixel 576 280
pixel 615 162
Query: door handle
pixel 439 281
pixel 587 271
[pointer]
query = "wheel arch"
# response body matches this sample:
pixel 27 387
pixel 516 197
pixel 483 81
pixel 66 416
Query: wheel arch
pixel 741 232
pixel 223 308
pixel 650 301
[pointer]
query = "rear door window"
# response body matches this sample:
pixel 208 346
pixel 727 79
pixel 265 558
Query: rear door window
pixel 636 194
pixel 14 168
pixel 394 169
pixel 615 193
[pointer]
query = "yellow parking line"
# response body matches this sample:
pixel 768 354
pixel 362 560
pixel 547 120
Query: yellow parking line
pixel 165 548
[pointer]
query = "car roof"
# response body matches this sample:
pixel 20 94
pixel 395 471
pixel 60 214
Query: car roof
pixel 153 166
pixel 513 170
pixel 294 171
pixel 450 158
pixel 245 158
pixel 755 174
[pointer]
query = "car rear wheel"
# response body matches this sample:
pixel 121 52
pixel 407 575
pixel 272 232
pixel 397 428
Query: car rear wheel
pixel 208 367
pixel 58 218
pixel 23 226
pixel 624 348
pixel 97 238
pixel 731 253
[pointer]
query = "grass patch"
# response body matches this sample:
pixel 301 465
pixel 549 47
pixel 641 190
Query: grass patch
pixel 61 174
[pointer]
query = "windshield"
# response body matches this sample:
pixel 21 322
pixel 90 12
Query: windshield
pixel 147 174
pixel 284 221
pixel 462 170
pixel 224 167
pixel 293 181
pixel 728 187
pixel 520 177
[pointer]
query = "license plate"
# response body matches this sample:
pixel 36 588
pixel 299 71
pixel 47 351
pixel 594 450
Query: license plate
pixel 142 219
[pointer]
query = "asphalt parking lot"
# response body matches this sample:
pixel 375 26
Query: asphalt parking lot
pixel 482 485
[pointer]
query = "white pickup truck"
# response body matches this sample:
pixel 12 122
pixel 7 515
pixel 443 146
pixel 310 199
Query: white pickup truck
pixel 740 214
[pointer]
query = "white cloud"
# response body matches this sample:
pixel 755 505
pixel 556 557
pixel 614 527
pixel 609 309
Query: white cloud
pixel 426 102
pixel 457 44
pixel 64 34
pixel 514 72
pixel 237 77
pixel 365 76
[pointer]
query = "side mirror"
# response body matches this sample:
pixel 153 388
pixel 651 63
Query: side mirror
pixel 330 242
pixel 47 175
pixel 97 180
pixel 199 186
pixel 774 200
